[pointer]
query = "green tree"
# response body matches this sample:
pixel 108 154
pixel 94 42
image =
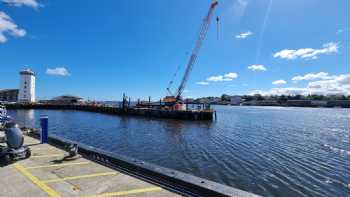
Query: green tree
pixel 259 97
pixel 282 99
pixel 225 97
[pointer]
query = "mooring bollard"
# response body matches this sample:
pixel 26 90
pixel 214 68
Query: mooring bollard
pixel 44 135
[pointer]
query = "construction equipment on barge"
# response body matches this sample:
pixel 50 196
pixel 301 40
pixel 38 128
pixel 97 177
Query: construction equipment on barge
pixel 174 101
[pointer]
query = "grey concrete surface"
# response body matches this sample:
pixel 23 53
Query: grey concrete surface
pixel 46 174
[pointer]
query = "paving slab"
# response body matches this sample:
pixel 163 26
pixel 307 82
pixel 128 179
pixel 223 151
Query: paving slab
pixel 47 173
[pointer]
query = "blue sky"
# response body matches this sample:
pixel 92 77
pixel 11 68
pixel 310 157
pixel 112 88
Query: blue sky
pixel 100 49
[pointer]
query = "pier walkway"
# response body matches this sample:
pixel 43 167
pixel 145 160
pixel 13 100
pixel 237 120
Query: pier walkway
pixel 46 173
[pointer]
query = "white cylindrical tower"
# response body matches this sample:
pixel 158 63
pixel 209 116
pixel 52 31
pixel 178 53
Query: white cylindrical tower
pixel 27 86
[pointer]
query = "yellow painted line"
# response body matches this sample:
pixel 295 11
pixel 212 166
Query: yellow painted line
pixel 46 156
pixel 36 181
pixel 122 193
pixel 80 177
pixel 59 165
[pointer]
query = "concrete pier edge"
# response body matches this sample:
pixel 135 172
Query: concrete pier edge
pixel 179 182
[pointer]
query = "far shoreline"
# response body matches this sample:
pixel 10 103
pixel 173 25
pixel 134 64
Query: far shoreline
pixel 286 106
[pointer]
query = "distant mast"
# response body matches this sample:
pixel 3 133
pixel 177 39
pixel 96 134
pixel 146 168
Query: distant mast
pixel 27 86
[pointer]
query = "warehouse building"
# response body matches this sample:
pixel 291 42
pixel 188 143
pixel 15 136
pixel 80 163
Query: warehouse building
pixel 9 95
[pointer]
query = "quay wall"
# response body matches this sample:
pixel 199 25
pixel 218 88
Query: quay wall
pixel 145 112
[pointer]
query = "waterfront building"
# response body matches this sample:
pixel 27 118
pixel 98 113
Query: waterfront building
pixel 66 99
pixel 235 100
pixel 27 86
pixel 9 95
pixel 189 100
pixel 339 103
pixel 260 103
pixel 203 100
pixel 299 103
pixel 319 103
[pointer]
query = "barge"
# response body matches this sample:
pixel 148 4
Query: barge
pixel 204 114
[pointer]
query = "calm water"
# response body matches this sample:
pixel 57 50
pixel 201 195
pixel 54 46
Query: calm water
pixel 266 150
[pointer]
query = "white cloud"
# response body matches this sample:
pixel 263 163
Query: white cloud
pixel 307 53
pixel 343 79
pixel 231 75
pixel 225 77
pixel 30 3
pixel 7 26
pixel 204 83
pixel 312 76
pixel 244 35
pixel 59 71
pixel 219 78
pixel 239 7
pixel 340 31
pixel 243 3
pixel 215 78
pixel 281 91
pixel 279 82
pixel 337 85
pixel 257 68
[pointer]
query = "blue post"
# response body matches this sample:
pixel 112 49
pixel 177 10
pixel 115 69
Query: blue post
pixel 44 135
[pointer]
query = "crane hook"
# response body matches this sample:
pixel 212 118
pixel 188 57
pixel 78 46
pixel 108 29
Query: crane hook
pixel 217 27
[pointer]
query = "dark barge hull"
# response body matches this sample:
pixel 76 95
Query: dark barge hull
pixel 146 112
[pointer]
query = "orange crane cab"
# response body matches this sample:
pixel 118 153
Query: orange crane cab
pixel 169 99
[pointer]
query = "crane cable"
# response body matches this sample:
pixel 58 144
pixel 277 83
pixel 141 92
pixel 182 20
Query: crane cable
pixel 173 78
